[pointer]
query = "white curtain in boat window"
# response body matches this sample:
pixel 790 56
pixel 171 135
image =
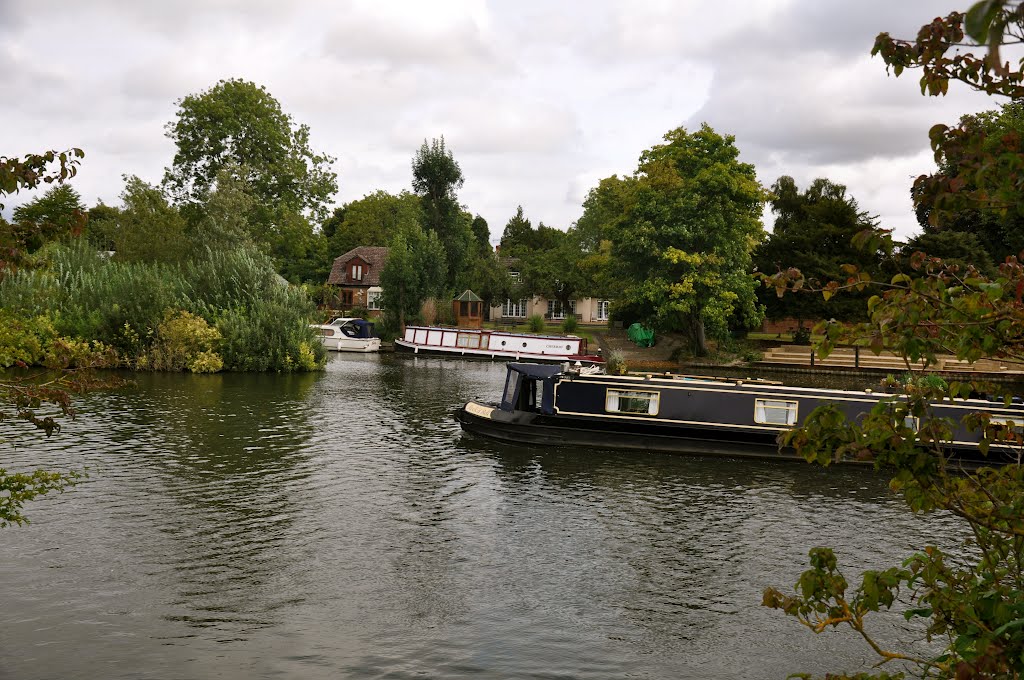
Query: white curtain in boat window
pixel 775 412
pixel 631 401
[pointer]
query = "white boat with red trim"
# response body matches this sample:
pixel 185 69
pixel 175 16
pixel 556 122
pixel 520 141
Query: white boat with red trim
pixel 487 344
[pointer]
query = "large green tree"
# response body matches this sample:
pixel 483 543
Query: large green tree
pixel 236 130
pixel 682 247
pixel 971 604
pixel 238 124
pixel 415 270
pixel 998 227
pixel 436 179
pixel 373 220
pixel 57 213
pixel 813 232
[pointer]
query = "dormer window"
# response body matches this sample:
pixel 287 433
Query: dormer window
pixel 357 272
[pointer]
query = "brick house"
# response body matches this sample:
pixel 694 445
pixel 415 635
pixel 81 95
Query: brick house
pixel 356 275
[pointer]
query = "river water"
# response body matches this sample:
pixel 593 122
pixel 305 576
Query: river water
pixel 340 525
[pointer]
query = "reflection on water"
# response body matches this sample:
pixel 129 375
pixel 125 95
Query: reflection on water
pixel 340 525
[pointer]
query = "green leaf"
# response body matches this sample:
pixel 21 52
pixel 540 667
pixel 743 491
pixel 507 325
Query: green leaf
pixel 979 19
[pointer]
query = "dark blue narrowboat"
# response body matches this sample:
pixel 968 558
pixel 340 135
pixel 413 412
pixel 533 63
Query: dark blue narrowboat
pixel 554 405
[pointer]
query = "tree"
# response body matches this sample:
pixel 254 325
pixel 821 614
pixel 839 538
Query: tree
pixel 237 124
pixel 971 602
pixel 102 226
pixel 552 268
pixel 222 221
pixel 236 130
pixel 517 237
pixel 490 279
pixel 604 207
pixel 813 232
pixel 999 229
pixel 150 228
pixel 959 248
pixel 57 213
pixel 979 170
pixel 481 234
pixel 682 247
pixel 436 177
pixel 414 271
pixel 373 220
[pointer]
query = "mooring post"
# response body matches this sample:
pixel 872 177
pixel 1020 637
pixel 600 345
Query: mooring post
pixel 856 356
pixel 812 357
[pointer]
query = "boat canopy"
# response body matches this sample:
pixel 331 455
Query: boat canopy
pixel 536 371
pixel 358 328
pixel 521 385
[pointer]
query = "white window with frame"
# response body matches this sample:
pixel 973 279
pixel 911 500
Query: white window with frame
pixel 556 310
pixel 357 272
pixel 775 412
pixel 602 310
pixel 514 309
pixel 374 299
pixel 516 277
pixel 634 402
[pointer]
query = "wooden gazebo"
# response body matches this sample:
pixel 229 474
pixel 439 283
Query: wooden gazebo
pixel 468 310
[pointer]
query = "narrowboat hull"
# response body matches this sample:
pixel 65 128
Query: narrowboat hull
pixel 548 406
pixel 488 421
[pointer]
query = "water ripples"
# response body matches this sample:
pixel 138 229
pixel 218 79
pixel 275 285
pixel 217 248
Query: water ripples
pixel 340 525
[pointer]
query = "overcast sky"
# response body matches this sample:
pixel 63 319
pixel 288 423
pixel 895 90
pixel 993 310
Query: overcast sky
pixel 538 100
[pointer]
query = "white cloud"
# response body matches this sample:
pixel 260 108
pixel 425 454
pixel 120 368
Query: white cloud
pixel 537 100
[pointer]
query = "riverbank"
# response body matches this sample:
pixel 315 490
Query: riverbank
pixel 670 353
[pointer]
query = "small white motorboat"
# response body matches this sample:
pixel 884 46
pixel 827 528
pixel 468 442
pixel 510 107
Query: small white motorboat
pixel 348 335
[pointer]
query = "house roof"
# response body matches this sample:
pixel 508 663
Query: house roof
pixel 469 296
pixel 373 256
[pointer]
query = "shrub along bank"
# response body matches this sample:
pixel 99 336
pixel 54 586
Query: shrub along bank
pixel 227 310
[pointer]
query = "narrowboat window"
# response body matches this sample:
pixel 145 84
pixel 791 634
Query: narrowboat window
pixel 912 423
pixel 773 412
pixel 631 401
